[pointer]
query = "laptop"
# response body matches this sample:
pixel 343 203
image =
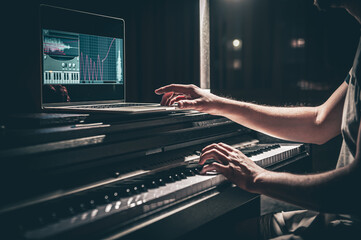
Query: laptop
pixel 83 64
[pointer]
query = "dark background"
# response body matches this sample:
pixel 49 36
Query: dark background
pixel 162 47
pixel 272 71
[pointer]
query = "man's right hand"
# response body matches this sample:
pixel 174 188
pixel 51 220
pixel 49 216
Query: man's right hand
pixel 190 97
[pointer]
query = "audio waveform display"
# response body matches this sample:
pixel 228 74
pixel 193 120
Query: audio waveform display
pixel 75 58
pixel 92 70
pixel 60 46
pixel 100 59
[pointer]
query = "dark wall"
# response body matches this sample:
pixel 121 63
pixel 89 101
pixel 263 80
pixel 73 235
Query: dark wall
pixel 162 46
pixel 271 69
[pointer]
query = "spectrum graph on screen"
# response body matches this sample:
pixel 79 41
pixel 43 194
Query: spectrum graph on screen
pixel 72 58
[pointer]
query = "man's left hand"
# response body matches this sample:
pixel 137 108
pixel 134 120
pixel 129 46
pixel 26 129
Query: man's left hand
pixel 233 164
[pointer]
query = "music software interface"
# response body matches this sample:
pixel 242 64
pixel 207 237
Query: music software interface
pixel 72 58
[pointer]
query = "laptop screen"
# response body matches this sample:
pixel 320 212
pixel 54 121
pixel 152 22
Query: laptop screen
pixel 82 56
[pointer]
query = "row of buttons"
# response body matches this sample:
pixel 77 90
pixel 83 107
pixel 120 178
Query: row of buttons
pixel 69 65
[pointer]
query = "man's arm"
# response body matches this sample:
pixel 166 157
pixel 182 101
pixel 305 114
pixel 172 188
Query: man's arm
pixel 333 191
pixel 303 124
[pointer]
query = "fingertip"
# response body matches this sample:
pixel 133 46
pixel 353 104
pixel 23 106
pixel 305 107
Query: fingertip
pixel 180 104
pixel 186 104
pixel 201 162
pixel 207 147
pixel 158 91
pixel 204 169
pixel 218 167
pixel 203 158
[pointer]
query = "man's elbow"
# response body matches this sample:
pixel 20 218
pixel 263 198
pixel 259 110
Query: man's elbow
pixel 323 132
pixel 324 128
pixel 320 135
pixel 320 141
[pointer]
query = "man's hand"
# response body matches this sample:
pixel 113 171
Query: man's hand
pixel 233 164
pixel 190 97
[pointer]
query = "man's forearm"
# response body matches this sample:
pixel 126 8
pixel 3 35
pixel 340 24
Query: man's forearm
pixel 302 124
pixel 332 191
pixel 290 123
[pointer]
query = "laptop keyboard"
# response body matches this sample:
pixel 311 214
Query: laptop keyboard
pixel 112 105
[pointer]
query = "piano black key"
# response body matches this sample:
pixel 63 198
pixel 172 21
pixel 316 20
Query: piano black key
pixel 175 184
pixel 53 217
pixel 44 215
pixel 66 212
pixel 160 182
pixel 138 185
pixel 182 175
pixel 83 206
pixel 135 190
pixel 189 172
pixel 92 199
pixel 100 197
pixel 198 169
pixel 126 192
pixel 91 204
pixel 136 205
pixel 114 193
pixel 77 203
pixel 176 177
pixel 32 222
pixel 143 188
pixel 123 189
pixel 169 179
pixel 149 181
pixel 257 152
pixel 151 184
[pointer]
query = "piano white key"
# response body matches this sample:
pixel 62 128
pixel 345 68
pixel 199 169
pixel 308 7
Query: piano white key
pixel 275 155
pixel 158 197
pixel 150 200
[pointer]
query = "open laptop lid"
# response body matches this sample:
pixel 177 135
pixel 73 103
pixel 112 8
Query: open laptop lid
pixel 82 57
